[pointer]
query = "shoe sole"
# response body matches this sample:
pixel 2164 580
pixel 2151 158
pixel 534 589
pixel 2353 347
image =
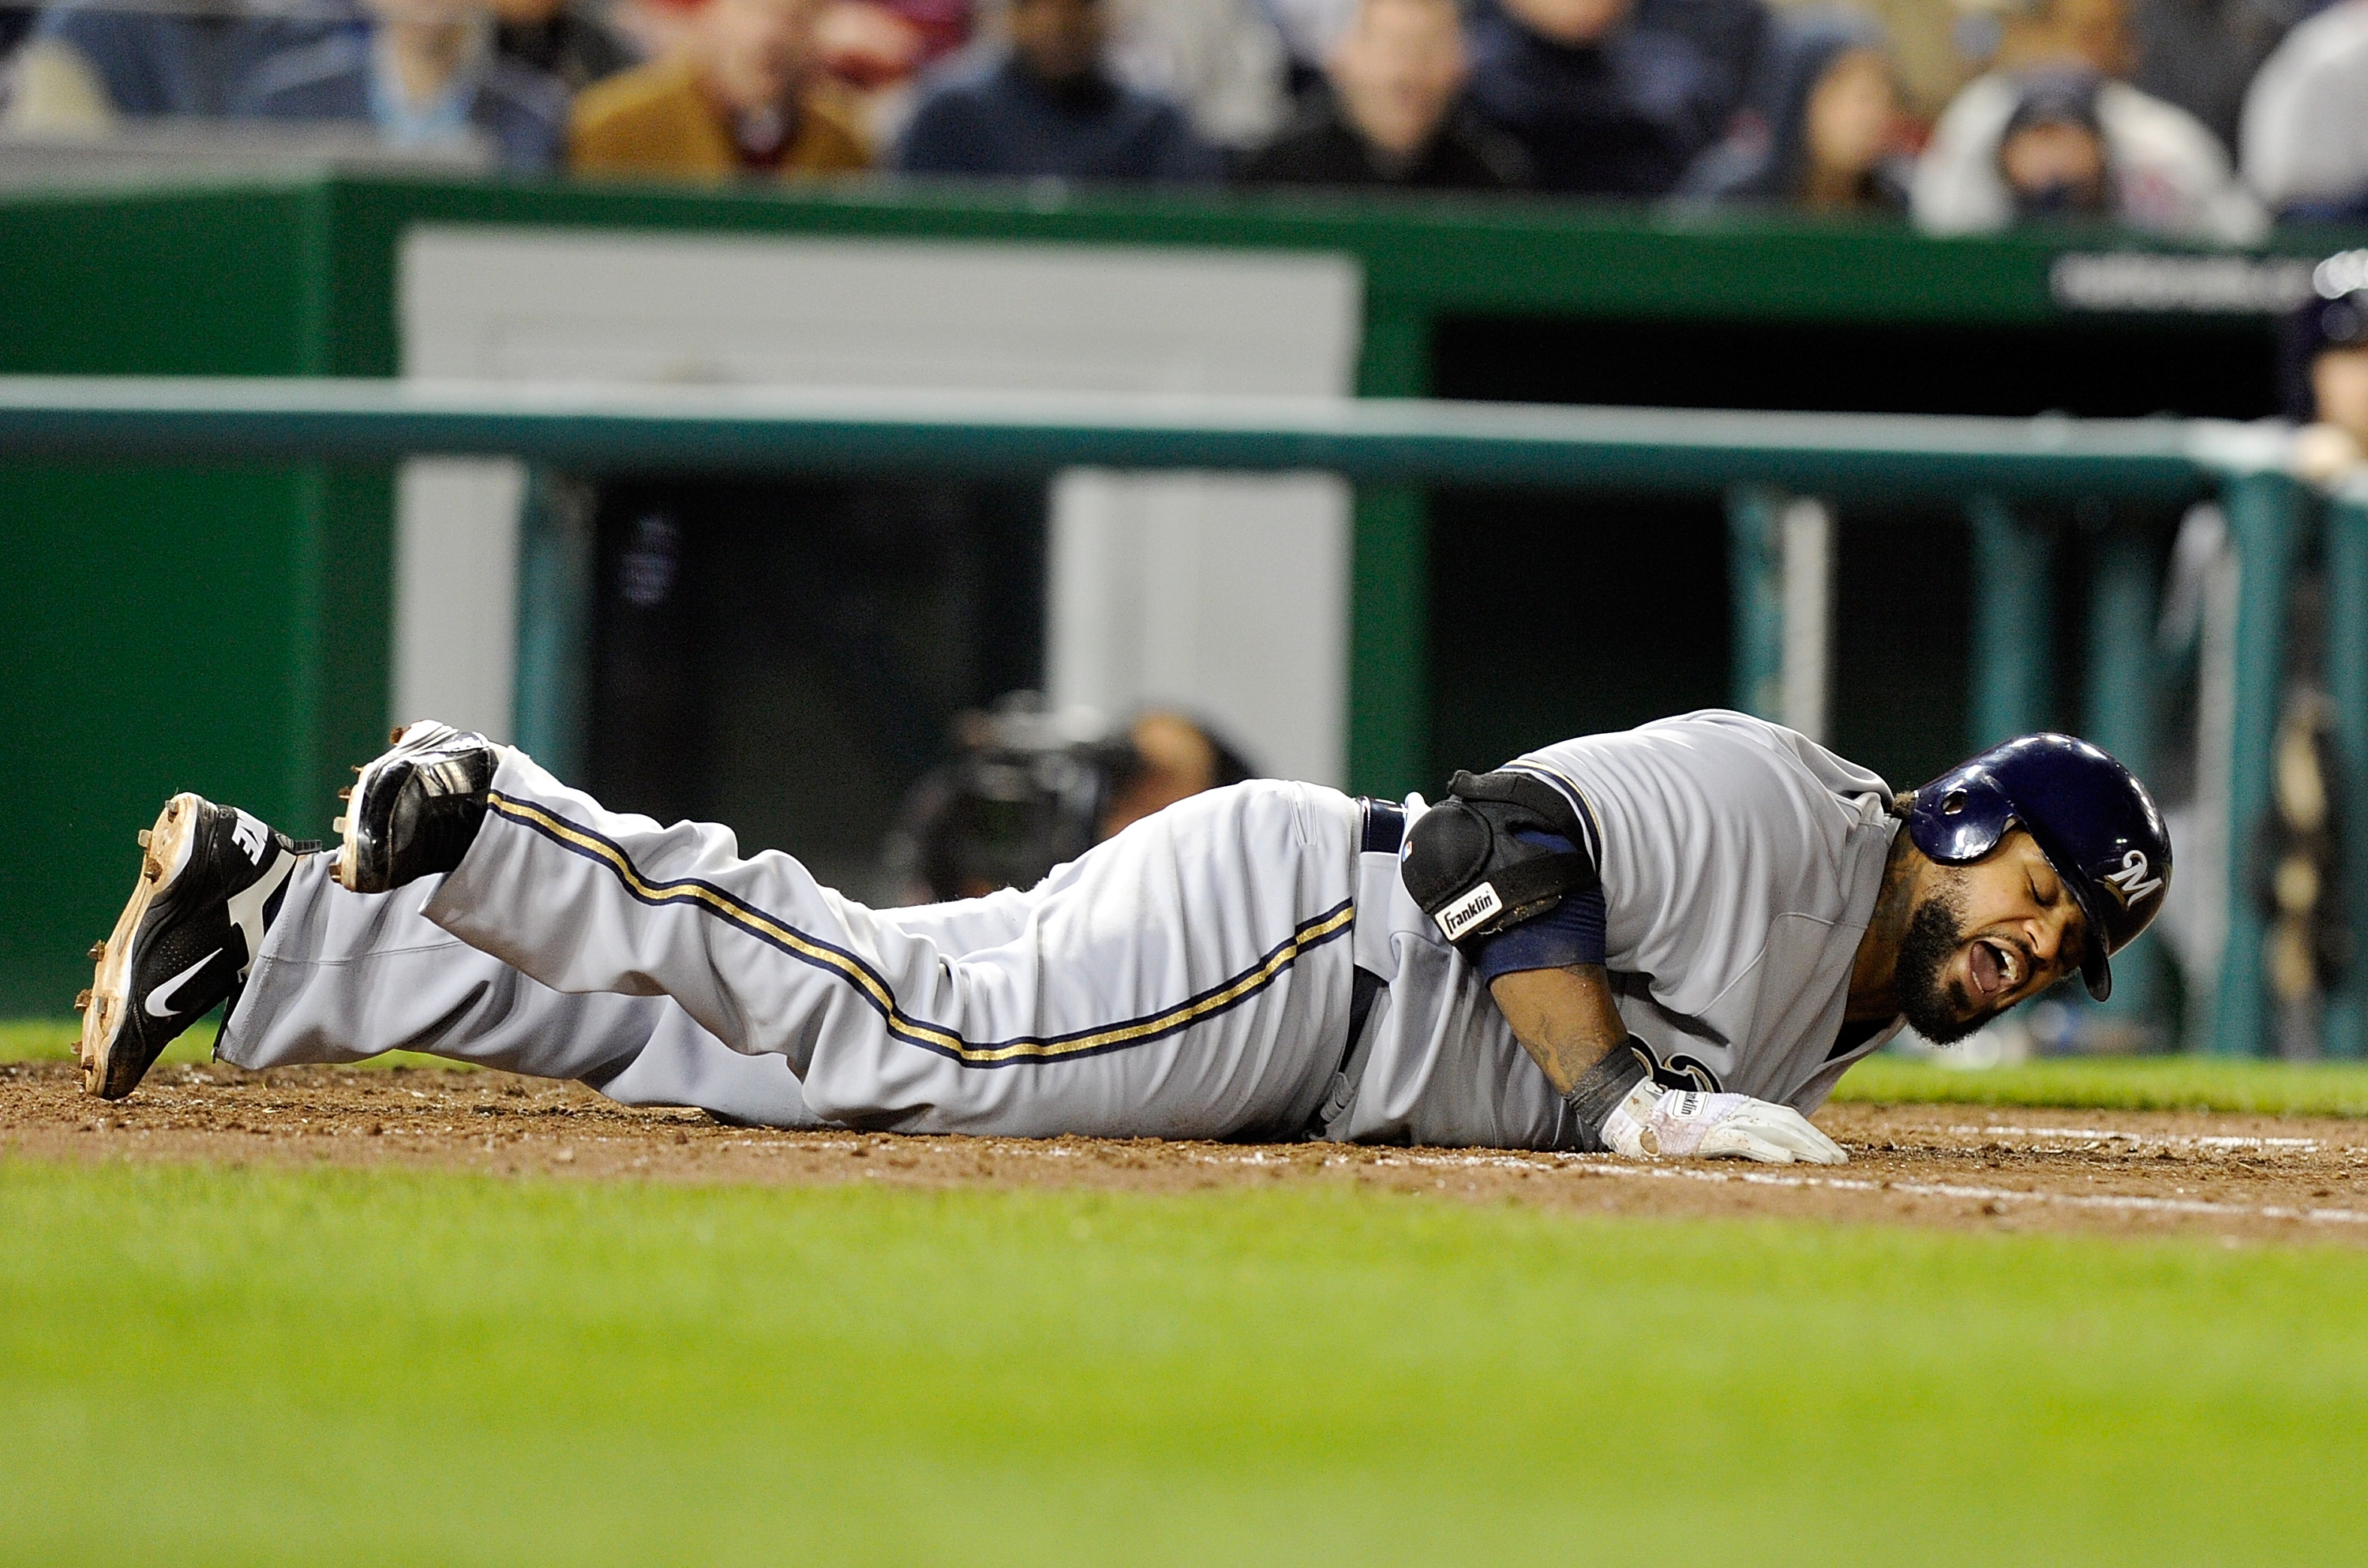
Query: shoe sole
pixel 366 800
pixel 165 856
pixel 359 800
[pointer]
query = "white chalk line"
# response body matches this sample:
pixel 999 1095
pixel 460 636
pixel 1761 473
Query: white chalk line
pixel 2104 1135
pixel 1607 1165
pixel 1601 1165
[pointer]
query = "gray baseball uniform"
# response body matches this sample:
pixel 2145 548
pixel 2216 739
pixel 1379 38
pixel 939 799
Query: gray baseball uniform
pixel 1741 862
pixel 1191 978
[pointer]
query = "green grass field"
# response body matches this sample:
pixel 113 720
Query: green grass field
pixel 245 1366
pixel 2142 1083
pixel 239 1366
pixel 52 1040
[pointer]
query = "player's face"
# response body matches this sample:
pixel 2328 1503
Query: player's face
pixel 1985 937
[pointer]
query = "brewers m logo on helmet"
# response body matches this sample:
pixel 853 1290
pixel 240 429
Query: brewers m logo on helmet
pixel 2131 882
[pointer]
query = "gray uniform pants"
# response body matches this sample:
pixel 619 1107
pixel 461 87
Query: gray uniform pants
pixel 344 977
pixel 1191 978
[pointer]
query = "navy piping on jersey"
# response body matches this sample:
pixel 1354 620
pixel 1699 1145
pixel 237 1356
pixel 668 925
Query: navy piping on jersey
pixel 868 983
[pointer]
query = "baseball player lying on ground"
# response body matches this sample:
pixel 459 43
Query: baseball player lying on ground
pixel 1667 942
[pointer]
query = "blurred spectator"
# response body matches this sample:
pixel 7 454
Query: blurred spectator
pixel 568 39
pixel 1829 136
pixel 1033 787
pixel 1048 105
pixel 1601 104
pixel 1221 60
pixel 2333 359
pixel 1730 35
pixel 425 74
pixel 740 91
pixel 876 43
pixel 2063 142
pixel 2034 33
pixel 1921 37
pixel 2202 54
pixel 2298 865
pixel 2306 135
pixel 651 27
pixel 84 65
pixel 16 21
pixel 1169 757
pixel 49 89
pixel 873 51
pixel 1310 30
pixel 1391 115
pixel 2052 152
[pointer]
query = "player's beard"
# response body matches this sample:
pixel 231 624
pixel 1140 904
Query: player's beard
pixel 1934 1005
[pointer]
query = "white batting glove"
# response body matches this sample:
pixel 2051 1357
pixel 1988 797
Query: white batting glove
pixel 1686 1124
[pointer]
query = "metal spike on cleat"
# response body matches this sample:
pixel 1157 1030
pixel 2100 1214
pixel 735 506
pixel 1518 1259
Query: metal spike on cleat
pixel 339 826
pixel 144 838
pixel 82 1001
pixel 98 951
pixel 152 869
pixel 345 794
pixel 391 736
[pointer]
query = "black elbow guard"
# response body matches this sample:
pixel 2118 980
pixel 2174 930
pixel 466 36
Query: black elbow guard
pixel 1472 876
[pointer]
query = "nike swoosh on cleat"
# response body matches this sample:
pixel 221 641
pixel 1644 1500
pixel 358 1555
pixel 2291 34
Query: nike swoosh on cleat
pixel 160 1000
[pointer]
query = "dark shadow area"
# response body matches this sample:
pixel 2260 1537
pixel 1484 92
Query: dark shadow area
pixel 1902 643
pixel 785 656
pixel 2124 368
pixel 1557 615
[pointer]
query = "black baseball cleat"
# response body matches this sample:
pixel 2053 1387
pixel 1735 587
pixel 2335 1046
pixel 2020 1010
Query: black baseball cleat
pixel 415 812
pixel 186 940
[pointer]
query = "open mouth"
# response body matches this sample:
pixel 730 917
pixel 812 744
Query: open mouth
pixel 1997 968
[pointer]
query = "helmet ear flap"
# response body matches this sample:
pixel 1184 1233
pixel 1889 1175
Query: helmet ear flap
pixel 1959 817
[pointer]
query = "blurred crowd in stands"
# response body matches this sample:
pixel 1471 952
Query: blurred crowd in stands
pixel 2203 119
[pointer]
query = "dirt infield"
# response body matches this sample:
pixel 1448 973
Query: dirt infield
pixel 2244 1179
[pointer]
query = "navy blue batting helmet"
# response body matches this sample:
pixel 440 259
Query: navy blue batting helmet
pixel 2090 816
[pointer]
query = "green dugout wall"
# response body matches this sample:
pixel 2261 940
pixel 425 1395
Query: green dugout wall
pixel 225 628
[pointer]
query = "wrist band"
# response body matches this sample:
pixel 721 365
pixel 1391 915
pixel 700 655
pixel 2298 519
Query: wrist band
pixel 1600 1089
